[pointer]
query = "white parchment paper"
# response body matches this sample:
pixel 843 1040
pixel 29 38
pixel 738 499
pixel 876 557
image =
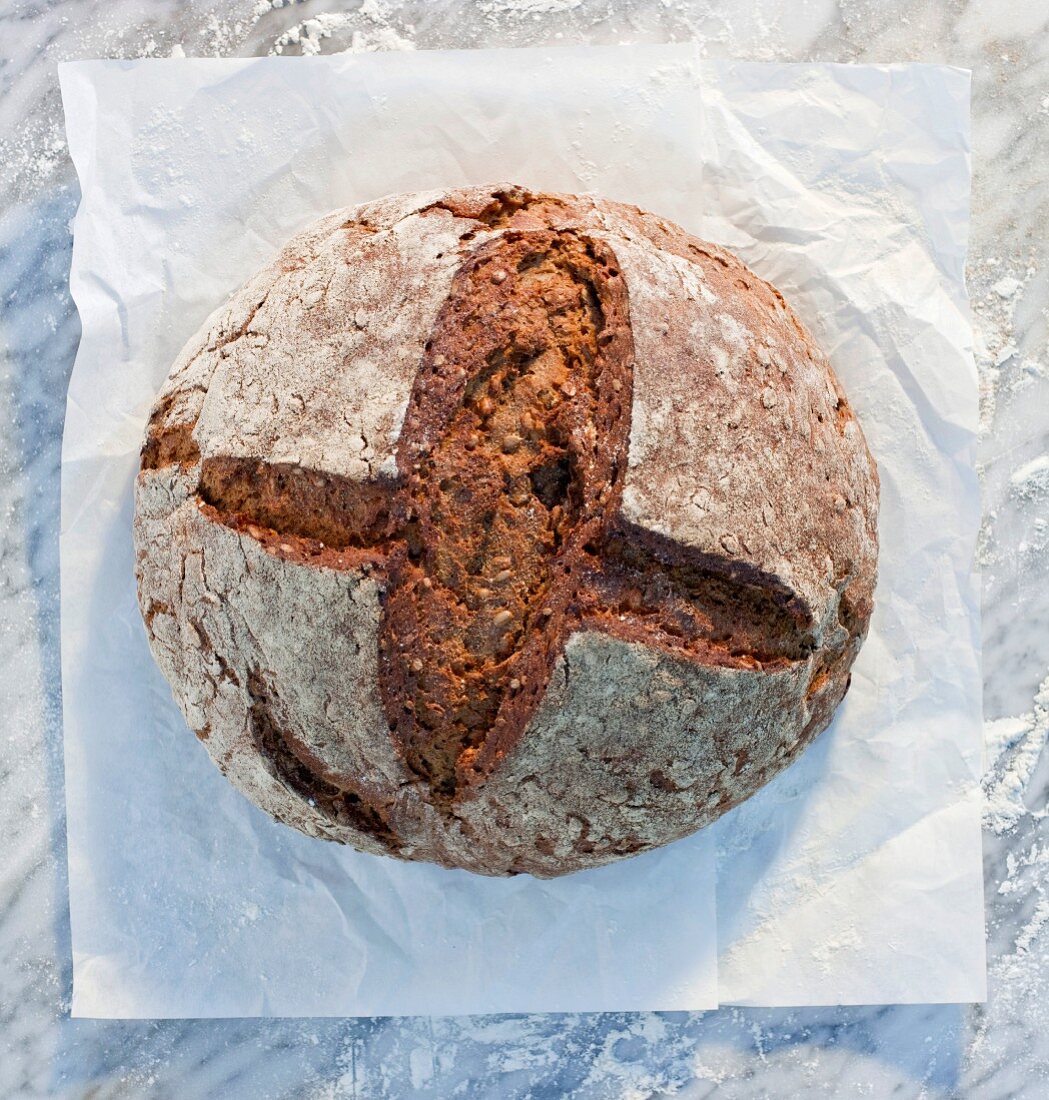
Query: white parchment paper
pixel 853 878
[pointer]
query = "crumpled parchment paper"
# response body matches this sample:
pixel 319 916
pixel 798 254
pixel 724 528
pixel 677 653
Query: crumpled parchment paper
pixel 855 877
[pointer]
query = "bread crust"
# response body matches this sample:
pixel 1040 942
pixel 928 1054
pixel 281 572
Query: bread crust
pixel 511 531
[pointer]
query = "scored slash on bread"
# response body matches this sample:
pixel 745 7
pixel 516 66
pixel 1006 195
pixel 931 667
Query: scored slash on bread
pixel 593 541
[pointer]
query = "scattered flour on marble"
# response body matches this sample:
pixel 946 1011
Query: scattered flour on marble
pixel 1031 480
pixel 1014 746
pixel 1002 366
pixel 366 28
pixel 311 33
pixel 1016 974
pixel 616 1068
pixel 35 153
pixel 1029 933
pixel 1037 856
pixel 528 7
pixel 632 1057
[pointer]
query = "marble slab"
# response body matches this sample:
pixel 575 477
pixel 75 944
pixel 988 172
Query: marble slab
pixel 995 1051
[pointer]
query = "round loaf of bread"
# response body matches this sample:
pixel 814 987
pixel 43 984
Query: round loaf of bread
pixel 515 532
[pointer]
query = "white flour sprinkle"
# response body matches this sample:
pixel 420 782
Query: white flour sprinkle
pixel 310 33
pixel 1003 367
pixel 1007 287
pixel 528 7
pixel 1013 748
pixel 1032 479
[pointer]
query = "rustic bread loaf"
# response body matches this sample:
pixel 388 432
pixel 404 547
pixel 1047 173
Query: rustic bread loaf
pixel 511 531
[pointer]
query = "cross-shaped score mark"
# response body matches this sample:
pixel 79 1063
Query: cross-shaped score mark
pixel 500 537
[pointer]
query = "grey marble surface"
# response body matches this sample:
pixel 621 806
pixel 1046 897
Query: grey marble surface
pixel 995 1050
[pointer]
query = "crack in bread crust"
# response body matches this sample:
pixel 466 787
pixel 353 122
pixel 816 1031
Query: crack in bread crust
pixel 302 771
pixel 504 208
